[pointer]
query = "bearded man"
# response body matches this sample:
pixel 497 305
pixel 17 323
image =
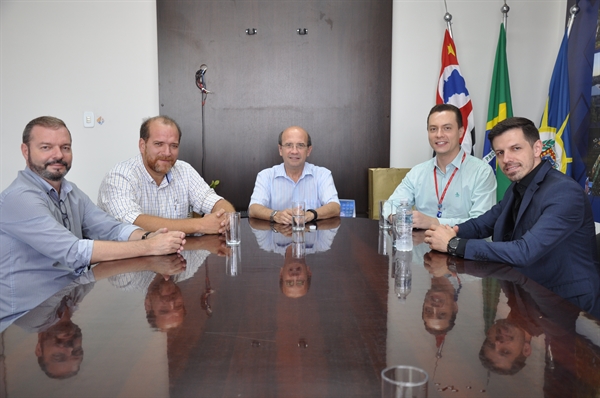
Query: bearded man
pixel 154 188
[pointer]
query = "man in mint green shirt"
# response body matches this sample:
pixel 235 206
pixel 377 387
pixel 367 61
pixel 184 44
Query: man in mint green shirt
pixel 453 186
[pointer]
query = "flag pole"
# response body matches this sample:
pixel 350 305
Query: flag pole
pixel 448 19
pixel 505 9
pixel 573 11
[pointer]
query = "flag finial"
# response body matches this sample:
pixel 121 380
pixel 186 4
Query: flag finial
pixel 574 9
pixel 448 19
pixel 504 10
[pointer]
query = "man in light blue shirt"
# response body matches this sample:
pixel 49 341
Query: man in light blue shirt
pixel 50 229
pixel 453 186
pixel 294 180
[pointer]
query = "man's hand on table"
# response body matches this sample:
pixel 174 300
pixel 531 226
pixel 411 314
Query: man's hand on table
pixel 438 236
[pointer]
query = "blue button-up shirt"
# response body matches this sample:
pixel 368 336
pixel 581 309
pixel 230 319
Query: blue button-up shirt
pixel 37 251
pixel 275 190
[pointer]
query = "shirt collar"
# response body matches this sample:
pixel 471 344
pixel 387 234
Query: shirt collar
pixel 65 186
pixel 456 162
pixel 168 177
pixel 522 185
pixel 307 170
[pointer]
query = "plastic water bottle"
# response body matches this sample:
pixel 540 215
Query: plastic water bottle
pixel 402 274
pixel 403 226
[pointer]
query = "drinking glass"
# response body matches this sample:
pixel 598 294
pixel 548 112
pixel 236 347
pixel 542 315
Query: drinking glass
pixel 404 382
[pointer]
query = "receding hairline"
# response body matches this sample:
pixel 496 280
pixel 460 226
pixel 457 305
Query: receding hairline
pixel 307 135
pixel 162 119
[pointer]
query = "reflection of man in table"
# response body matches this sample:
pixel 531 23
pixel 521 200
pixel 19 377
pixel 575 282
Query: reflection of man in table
pixel 294 180
pixel 59 348
pixel 534 311
pixel 295 275
pixel 277 237
pixel 440 305
pixel 506 347
pixel 164 303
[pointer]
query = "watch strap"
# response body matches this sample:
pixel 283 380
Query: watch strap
pixel 453 245
pixel 146 235
pixel 272 217
pixel 314 212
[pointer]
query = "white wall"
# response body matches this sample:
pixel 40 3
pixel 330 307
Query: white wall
pixel 62 58
pixel 534 31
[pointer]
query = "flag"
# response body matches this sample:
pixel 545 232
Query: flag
pixel 452 89
pixel 555 130
pixel 499 108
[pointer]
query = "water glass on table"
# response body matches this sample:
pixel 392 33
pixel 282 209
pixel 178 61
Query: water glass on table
pixel 386 209
pixel 404 382
pixel 298 216
pixel 233 235
pixel 233 261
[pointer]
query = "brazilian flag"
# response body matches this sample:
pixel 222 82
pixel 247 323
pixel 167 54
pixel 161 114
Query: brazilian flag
pixel 499 108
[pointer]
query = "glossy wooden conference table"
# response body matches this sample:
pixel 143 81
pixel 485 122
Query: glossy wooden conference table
pixel 230 331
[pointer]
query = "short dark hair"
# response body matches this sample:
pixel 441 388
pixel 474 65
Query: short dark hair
pixel 44 121
pixel 447 107
pixel 516 366
pixel 145 128
pixel 279 140
pixel 530 132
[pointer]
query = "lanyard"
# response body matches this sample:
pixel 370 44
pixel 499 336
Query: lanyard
pixel 440 200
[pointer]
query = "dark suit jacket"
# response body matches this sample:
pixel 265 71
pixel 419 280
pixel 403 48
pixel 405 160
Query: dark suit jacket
pixel 553 241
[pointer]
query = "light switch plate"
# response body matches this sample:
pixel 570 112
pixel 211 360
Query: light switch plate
pixel 88 119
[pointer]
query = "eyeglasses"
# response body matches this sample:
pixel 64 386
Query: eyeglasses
pixel 299 147
pixel 65 217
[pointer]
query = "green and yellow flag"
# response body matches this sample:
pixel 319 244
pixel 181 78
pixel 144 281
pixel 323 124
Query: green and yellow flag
pixel 499 108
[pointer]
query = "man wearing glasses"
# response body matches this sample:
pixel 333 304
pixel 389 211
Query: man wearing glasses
pixel 50 229
pixel 294 180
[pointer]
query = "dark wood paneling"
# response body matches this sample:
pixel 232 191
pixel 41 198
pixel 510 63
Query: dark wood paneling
pixel 334 82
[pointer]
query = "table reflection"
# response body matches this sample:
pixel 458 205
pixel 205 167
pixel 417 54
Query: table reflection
pixel 184 326
pixel 295 275
pixel 276 238
pixel 59 348
pixel 534 313
pixel 164 302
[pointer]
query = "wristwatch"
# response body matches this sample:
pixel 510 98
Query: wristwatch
pixel 146 235
pixel 314 212
pixel 453 245
pixel 272 218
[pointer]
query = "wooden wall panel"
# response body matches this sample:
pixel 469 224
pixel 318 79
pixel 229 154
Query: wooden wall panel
pixel 334 82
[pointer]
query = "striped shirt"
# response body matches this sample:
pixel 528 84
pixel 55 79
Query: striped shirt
pixel 275 190
pixel 128 191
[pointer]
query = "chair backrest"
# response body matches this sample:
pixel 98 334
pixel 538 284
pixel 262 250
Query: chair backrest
pixel 382 182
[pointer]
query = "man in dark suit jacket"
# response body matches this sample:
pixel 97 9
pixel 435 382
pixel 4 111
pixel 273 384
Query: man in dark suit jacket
pixel 543 226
